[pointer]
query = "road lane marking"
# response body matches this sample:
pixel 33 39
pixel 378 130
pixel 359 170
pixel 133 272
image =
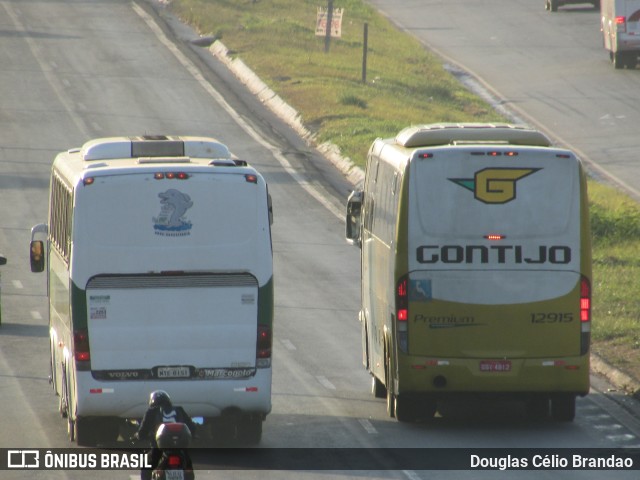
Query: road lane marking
pixel 249 130
pixel 288 344
pixel 324 381
pixel 411 475
pixel 368 427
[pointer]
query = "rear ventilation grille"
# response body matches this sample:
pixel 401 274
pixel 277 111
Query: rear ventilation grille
pixel 173 281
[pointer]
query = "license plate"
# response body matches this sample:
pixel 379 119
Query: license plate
pixel 174 372
pixel 174 474
pixel 495 365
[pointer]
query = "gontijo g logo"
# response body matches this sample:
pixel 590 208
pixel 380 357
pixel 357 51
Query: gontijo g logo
pixel 494 185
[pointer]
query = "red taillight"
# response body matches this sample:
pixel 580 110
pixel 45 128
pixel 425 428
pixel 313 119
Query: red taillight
pixel 174 461
pixel 81 346
pixel 585 315
pixel 402 313
pixel 402 300
pixel 402 288
pixel 171 175
pixel 621 23
pixel 585 300
pixel 250 178
pixel 263 345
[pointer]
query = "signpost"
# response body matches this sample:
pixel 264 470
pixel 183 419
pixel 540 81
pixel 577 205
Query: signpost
pixel 333 18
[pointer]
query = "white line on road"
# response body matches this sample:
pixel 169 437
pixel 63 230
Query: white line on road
pixel 411 475
pixel 368 427
pixel 324 381
pixel 288 344
pixel 193 70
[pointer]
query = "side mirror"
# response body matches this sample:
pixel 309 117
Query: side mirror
pixel 37 248
pixel 270 207
pixel 354 213
pixel 37 256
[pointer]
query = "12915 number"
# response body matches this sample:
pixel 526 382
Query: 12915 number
pixel 552 317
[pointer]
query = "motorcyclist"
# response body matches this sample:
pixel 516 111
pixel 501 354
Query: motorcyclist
pixel 173 440
pixel 161 410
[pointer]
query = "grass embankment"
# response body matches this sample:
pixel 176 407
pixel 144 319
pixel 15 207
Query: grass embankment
pixel 407 85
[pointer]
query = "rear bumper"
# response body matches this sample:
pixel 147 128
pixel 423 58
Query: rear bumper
pixel 628 43
pixel 200 398
pixel 442 377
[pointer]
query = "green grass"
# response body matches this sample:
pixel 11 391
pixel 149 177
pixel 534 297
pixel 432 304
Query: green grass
pixel 407 85
pixel 615 224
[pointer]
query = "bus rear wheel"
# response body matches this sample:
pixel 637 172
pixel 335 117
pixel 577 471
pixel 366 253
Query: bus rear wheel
pixel 412 409
pixel 391 398
pixel 250 430
pixel 377 387
pixel 563 408
pixel 537 407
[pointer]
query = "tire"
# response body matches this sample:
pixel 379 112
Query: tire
pixel 413 409
pixel 63 403
pixel 52 368
pixel 224 430
pixel 107 429
pixel 563 408
pixel 537 408
pixel 378 390
pixel 250 430
pixel 391 398
pixel 553 5
pixel 365 346
pixel 618 60
pixel 71 429
pixel 84 432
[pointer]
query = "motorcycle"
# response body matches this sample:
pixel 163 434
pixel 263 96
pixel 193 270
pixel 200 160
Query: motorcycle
pixel 173 440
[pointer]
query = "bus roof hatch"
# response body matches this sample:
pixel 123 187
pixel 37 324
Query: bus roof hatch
pixel 153 146
pixel 450 133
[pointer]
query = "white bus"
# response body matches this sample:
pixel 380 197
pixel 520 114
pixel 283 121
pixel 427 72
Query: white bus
pixel 159 276
pixel 476 268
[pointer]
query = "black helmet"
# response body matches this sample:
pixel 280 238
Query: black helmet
pixel 159 398
pixel 173 435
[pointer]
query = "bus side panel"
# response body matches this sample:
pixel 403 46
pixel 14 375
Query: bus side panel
pixel 60 333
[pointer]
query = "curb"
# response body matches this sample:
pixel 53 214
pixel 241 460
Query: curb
pixel 621 380
pixel 355 175
pixel 284 111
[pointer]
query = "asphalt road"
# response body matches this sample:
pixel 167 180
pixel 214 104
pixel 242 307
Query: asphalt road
pixel 548 69
pixel 74 70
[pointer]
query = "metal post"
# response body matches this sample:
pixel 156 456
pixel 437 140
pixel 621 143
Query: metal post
pixel 3 261
pixel 364 53
pixel 327 36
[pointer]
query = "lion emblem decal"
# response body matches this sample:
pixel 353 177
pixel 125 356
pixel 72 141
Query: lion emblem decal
pixel 172 221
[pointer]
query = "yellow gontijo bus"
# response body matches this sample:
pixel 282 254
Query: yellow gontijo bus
pixel 476 268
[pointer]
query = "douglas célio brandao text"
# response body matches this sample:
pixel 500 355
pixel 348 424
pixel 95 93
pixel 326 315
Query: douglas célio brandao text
pixel 551 461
